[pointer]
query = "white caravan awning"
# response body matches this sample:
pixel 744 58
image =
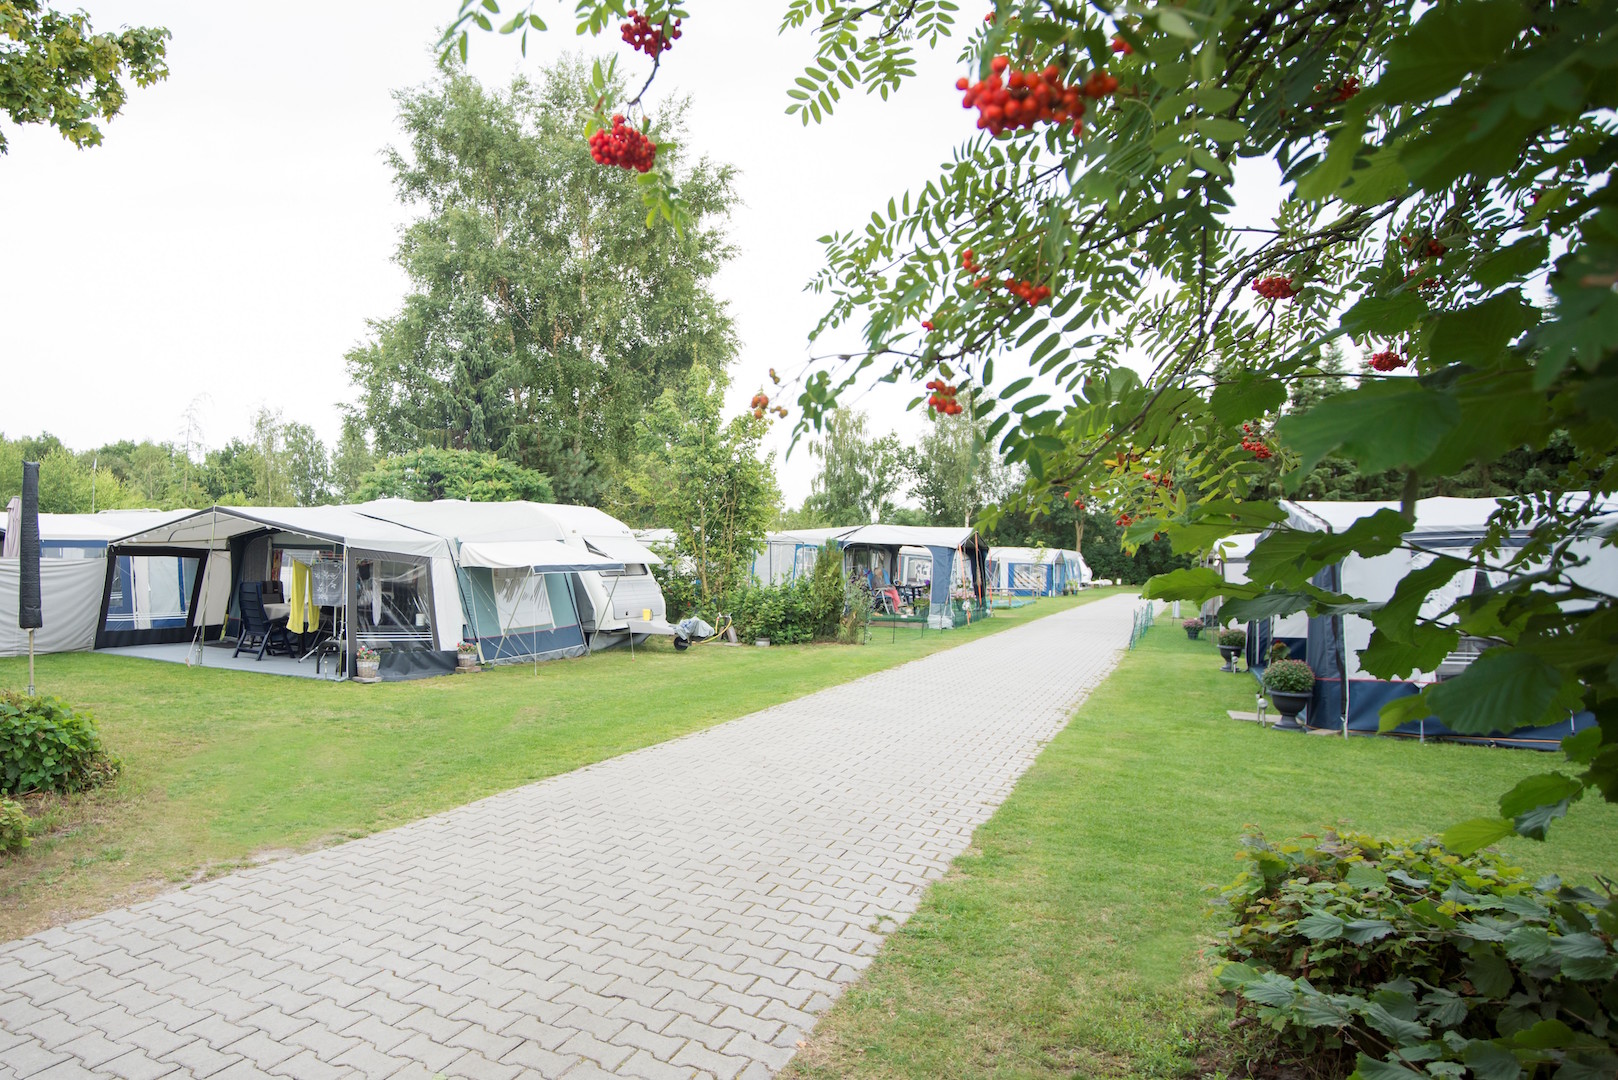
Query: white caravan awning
pixel 625 549
pixel 546 556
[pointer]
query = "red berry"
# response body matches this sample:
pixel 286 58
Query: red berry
pixel 1122 47
pixel 624 146
pixel 643 36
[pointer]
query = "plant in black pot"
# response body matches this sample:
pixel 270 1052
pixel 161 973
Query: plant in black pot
pixel 1192 628
pixel 1289 683
pixel 1231 643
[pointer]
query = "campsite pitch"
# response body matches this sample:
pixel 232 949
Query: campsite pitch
pixel 222 768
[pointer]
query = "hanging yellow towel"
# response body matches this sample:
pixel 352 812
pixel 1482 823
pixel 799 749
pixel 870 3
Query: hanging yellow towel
pixel 298 596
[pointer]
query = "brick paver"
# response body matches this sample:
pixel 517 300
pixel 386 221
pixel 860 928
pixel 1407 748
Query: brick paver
pixel 682 911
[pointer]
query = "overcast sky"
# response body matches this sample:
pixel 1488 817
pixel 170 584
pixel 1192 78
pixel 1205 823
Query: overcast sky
pixel 234 232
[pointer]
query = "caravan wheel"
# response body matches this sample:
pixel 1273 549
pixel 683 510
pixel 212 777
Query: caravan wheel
pixel 681 644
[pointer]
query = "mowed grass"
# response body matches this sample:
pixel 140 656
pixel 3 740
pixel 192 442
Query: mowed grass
pixel 222 767
pixel 1067 941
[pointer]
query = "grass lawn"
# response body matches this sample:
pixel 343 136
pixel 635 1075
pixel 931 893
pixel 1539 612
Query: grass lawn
pixel 221 767
pixel 1066 941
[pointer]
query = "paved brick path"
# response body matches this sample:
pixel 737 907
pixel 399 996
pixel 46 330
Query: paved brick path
pixel 683 911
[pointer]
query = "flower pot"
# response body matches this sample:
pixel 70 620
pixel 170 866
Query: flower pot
pixel 466 661
pixel 1230 653
pixel 1192 632
pixel 367 669
pixel 1289 705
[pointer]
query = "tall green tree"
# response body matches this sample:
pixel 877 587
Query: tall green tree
pixel 704 477
pixel 433 473
pixel 544 315
pixel 859 473
pixel 955 473
pixel 56 70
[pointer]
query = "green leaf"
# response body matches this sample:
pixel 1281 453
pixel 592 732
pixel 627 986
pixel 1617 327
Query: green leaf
pixel 1370 1068
pixel 1512 263
pixel 1402 1032
pixel 1542 790
pixel 1398 616
pixel 1450 42
pixel 1502 690
pixel 1475 835
pixel 1388 425
pixel 1490 1062
pixel 1334 170
pixel 1320 926
pixel 1249 396
pixel 1478 335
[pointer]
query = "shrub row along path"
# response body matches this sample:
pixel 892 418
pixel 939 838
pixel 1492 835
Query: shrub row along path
pixel 686 910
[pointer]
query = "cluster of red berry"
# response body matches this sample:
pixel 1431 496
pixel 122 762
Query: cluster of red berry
pixel 623 146
pixel 927 324
pixel 1164 481
pixel 1009 100
pixel 1078 500
pixel 1123 520
pixel 1254 441
pixel 761 404
pixel 1346 89
pixel 651 40
pixel 1028 292
pixel 1122 47
pixel 1432 249
pixel 1387 361
pixel 1275 288
pixel 942 399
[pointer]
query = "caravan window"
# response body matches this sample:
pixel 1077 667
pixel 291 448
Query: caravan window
pixel 633 569
pixel 393 602
pixel 151 592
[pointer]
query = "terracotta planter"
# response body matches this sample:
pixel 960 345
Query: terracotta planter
pixel 367 669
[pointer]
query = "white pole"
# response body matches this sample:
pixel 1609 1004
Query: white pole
pixel 30 661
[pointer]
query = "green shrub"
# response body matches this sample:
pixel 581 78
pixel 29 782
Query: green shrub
pixel 1232 637
pixel 1289 677
pixel 783 613
pixel 47 745
pixel 1400 959
pixel 13 826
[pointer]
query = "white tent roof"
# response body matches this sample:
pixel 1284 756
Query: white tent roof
pixel 1046 556
pixel 551 556
pixel 458 519
pixel 338 524
pixel 815 537
pixel 482 523
pixel 915 535
pixel 1441 515
pixel 600 530
pixel 105 525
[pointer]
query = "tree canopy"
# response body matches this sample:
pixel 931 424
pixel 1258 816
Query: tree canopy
pixel 544 316
pixel 56 70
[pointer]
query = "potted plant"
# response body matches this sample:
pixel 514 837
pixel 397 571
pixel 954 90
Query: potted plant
pixel 1231 643
pixel 1279 651
pixel 1289 683
pixel 1192 628
pixel 466 656
pixel 366 664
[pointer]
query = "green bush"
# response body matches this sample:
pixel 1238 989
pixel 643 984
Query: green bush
pixel 13 826
pixel 1400 959
pixel 1232 637
pixel 1289 677
pixel 47 745
pixel 783 613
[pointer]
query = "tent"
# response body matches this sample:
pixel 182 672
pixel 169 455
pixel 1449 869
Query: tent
pixel 791 553
pixel 1024 571
pixel 518 576
pixel 386 586
pixel 874 552
pixel 1347 698
pixel 72 576
pixel 615 606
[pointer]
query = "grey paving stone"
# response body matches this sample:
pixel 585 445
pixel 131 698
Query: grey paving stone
pixel 685 910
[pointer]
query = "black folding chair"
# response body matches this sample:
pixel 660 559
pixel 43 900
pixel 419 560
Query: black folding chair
pixel 270 635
